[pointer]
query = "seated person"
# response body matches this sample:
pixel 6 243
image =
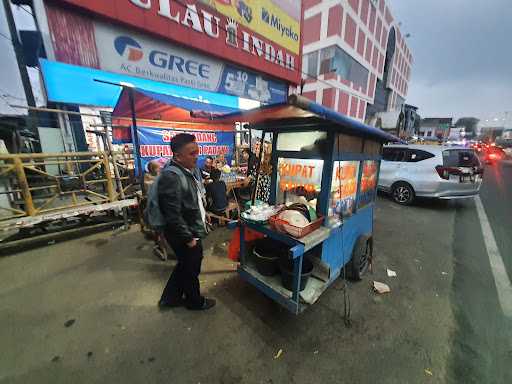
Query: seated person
pixel 207 168
pixel 216 194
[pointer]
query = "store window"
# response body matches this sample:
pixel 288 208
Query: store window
pixel 312 63
pixel 314 142
pixel 368 183
pixel 298 181
pixel 335 59
pixel 342 199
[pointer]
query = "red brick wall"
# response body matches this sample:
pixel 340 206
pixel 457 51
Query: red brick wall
pixel 310 95
pixel 354 4
pixel 365 4
pixel 343 103
pixel 310 3
pixel 335 19
pixel 369 49
pixel 312 29
pixel 362 109
pixel 378 31
pixel 329 97
pixel 371 25
pixel 350 31
pixel 353 106
pixel 360 42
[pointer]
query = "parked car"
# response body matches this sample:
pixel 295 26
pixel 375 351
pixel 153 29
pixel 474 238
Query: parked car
pixel 410 171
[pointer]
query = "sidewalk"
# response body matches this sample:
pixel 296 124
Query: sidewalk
pixel 84 311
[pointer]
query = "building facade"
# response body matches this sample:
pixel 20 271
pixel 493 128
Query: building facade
pixel 435 128
pixel 355 58
pixel 232 54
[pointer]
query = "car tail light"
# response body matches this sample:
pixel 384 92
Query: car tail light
pixel 445 172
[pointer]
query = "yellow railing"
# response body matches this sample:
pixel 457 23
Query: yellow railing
pixel 33 184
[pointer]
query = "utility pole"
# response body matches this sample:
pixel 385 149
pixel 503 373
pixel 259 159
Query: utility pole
pixel 25 79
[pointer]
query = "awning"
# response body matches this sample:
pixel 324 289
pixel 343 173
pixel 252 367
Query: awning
pixel 299 111
pixel 72 84
pixel 156 106
pixel 157 110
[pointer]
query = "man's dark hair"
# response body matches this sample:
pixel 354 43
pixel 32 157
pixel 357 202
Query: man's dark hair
pixel 215 174
pixel 209 158
pixel 180 140
pixel 247 150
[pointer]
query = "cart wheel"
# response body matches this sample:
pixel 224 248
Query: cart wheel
pixel 361 257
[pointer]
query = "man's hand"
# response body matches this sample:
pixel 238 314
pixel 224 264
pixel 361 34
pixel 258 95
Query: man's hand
pixel 192 243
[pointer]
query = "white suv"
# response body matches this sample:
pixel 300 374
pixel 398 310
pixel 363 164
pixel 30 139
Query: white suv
pixel 408 171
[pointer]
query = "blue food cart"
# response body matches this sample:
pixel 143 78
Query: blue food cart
pixel 331 162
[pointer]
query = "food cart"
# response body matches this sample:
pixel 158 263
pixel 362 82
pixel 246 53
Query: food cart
pixel 328 161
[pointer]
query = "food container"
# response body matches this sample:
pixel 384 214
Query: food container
pixel 284 226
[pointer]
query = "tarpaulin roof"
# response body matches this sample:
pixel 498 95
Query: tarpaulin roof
pixel 300 112
pixel 157 106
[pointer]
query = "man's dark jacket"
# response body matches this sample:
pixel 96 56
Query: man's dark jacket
pixel 178 201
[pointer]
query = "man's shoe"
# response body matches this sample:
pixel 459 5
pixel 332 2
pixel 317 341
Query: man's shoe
pixel 163 305
pixel 207 304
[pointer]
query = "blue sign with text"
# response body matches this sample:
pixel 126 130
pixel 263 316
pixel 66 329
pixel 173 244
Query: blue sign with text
pixel 155 144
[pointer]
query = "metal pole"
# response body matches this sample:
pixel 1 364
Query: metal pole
pixel 135 137
pixel 258 168
pixel 25 79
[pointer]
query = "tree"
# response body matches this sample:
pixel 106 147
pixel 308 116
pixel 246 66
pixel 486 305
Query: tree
pixel 470 123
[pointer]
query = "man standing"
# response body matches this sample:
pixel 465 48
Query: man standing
pixel 180 200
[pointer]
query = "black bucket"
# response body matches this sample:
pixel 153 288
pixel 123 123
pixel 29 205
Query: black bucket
pixel 266 256
pixel 286 266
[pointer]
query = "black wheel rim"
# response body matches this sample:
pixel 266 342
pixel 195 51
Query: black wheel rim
pixel 402 194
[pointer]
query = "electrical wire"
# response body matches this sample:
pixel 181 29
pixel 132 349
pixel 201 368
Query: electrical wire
pixel 6 37
pixel 24 9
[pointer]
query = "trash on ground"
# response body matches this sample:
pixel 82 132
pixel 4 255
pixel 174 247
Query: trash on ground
pixel 278 355
pixel 444 273
pixel 428 372
pixel 55 359
pixel 391 273
pixel 316 352
pixel 69 323
pixel 89 354
pixel 381 287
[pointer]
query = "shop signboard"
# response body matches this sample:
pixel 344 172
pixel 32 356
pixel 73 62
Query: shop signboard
pixel 368 185
pixel 342 200
pixel 154 144
pixel 125 52
pixel 298 177
pixel 263 35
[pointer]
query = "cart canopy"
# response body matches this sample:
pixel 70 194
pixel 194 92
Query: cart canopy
pixel 157 106
pixel 301 113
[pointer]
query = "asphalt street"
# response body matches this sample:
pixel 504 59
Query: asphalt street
pixel 84 310
pixel 482 342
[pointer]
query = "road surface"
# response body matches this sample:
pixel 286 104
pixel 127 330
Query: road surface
pixel 482 350
pixel 84 310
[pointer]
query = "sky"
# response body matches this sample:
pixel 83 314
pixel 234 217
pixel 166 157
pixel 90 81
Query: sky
pixel 462 56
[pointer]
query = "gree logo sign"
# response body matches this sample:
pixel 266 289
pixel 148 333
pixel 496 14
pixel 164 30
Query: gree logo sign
pixel 131 50
pixel 128 48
